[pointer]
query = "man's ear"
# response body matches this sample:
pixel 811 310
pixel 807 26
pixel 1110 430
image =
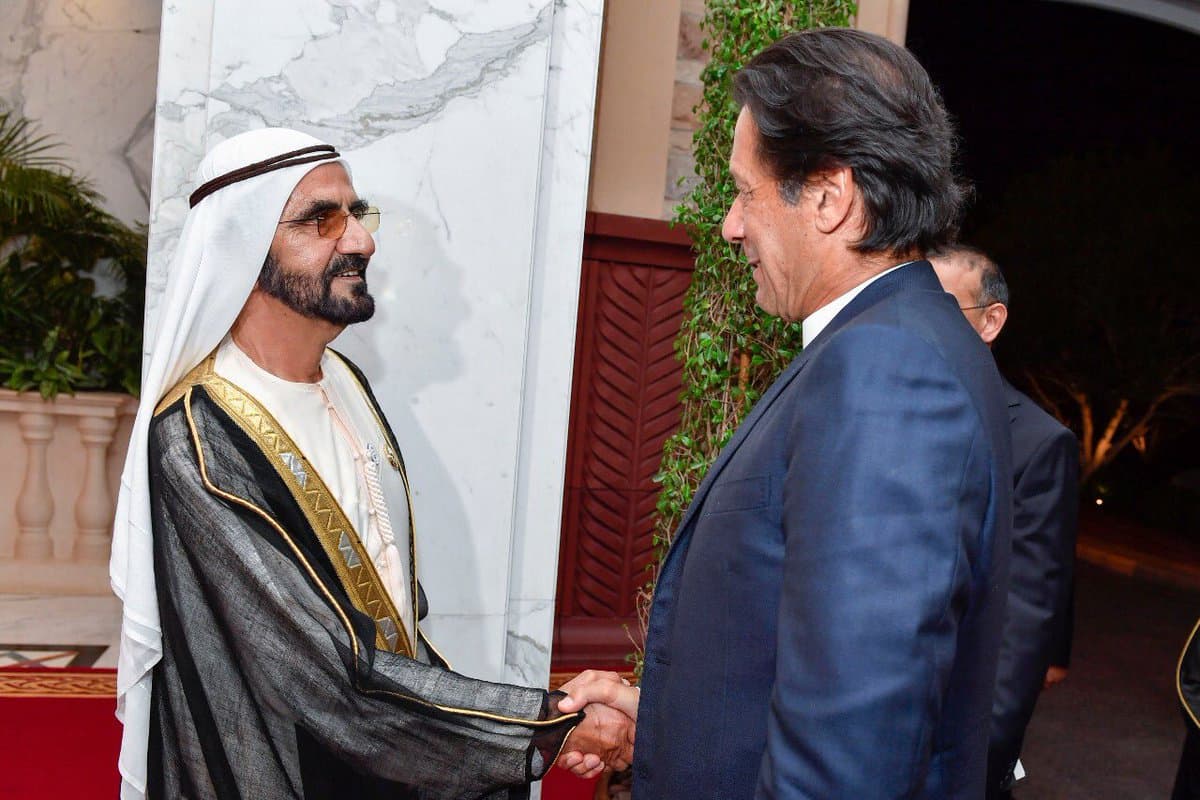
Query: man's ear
pixel 994 317
pixel 835 193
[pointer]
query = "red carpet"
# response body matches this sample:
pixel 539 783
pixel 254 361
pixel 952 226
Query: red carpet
pixel 58 735
pixel 562 785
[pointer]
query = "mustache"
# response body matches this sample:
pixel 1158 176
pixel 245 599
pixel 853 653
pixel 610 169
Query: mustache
pixel 344 261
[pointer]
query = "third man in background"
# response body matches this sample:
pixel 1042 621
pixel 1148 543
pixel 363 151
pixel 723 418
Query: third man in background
pixel 1045 506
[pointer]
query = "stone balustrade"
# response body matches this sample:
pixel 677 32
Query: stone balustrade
pixel 60 463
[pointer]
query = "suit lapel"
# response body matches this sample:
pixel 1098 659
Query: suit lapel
pixel 917 276
pixel 743 430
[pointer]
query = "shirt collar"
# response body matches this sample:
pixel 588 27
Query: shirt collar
pixel 815 322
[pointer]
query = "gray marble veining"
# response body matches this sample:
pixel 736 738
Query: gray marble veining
pixel 84 70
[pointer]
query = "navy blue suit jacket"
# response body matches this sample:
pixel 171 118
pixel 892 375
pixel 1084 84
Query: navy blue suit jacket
pixel 827 621
pixel 1045 510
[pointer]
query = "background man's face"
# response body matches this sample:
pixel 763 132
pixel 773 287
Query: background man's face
pixel 963 284
pixel 321 278
pixel 966 284
pixel 776 236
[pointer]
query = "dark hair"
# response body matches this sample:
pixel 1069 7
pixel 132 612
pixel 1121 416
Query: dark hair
pixel 992 286
pixel 837 97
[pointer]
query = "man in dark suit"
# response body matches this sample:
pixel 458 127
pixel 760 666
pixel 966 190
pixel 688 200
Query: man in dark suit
pixel 1045 510
pixel 826 624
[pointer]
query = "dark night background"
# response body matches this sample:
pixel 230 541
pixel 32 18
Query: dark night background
pixel 1029 80
pixel 1079 129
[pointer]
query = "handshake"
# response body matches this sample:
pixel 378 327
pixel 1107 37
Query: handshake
pixel 605 737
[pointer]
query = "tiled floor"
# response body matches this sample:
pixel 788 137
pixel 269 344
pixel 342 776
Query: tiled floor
pixel 44 631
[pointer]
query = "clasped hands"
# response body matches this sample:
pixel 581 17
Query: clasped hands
pixel 605 737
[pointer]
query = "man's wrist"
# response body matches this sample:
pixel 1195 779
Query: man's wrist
pixel 548 743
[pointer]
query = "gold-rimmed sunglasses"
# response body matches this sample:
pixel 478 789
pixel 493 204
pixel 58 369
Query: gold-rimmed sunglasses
pixel 332 224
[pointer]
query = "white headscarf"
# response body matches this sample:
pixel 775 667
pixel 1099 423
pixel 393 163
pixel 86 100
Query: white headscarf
pixel 220 253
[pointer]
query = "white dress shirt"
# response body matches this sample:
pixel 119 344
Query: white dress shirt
pixel 815 322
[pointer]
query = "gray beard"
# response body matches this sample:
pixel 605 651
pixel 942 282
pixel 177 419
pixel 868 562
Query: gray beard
pixel 313 296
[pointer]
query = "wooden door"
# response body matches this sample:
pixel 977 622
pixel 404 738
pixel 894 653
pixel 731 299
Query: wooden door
pixel 625 403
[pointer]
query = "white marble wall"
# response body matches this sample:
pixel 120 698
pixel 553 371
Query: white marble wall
pixel 469 123
pixel 85 71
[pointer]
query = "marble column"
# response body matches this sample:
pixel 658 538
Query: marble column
pixel 469 123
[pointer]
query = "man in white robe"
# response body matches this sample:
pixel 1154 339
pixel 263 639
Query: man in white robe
pixel 271 644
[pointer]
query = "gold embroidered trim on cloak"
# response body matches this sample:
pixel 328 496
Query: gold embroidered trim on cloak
pixel 333 529
pixel 197 375
pixel 1179 676
pixel 422 636
pixel 397 464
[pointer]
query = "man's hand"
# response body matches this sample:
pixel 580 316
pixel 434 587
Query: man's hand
pixel 603 739
pixel 606 736
pixel 606 688
pixel 1054 675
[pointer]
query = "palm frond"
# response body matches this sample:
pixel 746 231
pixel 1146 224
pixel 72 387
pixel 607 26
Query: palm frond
pixel 56 332
pixel 22 146
pixel 32 196
pixel 44 203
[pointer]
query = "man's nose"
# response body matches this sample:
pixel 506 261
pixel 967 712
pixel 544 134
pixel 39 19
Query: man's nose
pixel 356 239
pixel 732 228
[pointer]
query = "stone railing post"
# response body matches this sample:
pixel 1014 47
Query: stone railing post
pixel 35 505
pixel 94 507
pixel 41 552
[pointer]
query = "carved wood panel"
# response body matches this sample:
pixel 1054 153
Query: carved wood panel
pixel 624 406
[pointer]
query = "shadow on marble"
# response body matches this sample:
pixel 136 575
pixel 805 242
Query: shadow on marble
pixel 414 342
